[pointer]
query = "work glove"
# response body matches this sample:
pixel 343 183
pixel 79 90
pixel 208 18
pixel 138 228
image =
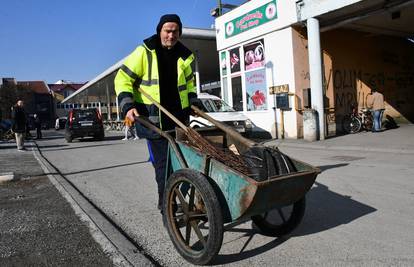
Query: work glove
pixel 196 102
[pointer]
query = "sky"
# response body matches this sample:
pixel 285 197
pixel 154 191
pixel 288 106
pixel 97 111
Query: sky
pixel 76 40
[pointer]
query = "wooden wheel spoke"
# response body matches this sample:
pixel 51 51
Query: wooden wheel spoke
pixel 198 233
pixel 191 201
pixel 187 234
pixel 198 215
pixel 182 200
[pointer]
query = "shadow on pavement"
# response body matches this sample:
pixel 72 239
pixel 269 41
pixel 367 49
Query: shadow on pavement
pixel 333 166
pixel 325 209
pixel 67 147
pixel 105 168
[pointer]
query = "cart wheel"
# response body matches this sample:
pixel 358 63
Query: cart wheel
pixel 193 216
pixel 281 221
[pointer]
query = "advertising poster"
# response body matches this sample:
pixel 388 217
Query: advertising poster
pixel 235 60
pixel 256 90
pixel 254 55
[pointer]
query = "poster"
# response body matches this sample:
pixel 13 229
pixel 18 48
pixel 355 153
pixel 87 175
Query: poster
pixel 234 60
pixel 256 93
pixel 223 63
pixel 254 55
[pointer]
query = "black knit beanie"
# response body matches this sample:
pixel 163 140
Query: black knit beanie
pixel 169 18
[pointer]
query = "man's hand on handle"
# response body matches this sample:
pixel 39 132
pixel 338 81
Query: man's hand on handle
pixel 132 113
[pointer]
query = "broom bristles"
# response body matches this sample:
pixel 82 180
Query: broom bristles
pixel 231 160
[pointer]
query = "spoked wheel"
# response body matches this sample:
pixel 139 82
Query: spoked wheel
pixel 193 216
pixel 351 124
pixel 280 221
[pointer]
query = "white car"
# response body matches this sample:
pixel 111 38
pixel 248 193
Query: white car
pixel 60 123
pixel 221 111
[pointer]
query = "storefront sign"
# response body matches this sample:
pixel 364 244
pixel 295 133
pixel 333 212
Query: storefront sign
pixel 251 20
pixel 256 90
pixel 279 89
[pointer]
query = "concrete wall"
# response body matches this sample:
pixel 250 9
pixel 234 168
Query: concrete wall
pixel 355 62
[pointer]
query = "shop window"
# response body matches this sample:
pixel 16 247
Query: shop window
pixel 237 93
pixel 234 60
pixel 254 56
pixel 256 92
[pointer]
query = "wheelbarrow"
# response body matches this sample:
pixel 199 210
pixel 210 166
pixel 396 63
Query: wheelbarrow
pixel 203 194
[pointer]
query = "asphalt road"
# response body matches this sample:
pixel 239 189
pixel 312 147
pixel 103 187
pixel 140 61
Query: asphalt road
pixel 360 211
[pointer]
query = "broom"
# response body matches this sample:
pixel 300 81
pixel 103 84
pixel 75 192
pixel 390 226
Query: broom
pixel 231 160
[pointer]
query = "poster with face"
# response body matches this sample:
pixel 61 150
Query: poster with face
pixel 234 60
pixel 254 55
pixel 256 93
pixel 223 63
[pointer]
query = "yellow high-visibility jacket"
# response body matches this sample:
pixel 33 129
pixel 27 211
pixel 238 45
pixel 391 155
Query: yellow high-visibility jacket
pixel 140 69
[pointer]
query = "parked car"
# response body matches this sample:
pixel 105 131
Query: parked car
pixel 84 122
pixel 60 123
pixel 219 110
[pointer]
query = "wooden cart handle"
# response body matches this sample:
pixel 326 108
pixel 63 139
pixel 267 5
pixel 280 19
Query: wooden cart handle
pixel 171 116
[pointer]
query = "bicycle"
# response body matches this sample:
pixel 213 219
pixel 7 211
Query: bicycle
pixel 6 134
pixel 356 121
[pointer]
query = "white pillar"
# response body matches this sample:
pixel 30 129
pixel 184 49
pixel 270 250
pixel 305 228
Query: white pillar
pixel 315 72
pixel 197 74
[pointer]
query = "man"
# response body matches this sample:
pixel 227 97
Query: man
pixel 38 126
pixel 19 124
pixel 161 66
pixel 375 101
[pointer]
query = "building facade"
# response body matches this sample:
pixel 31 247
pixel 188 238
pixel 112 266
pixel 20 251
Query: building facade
pixel 278 59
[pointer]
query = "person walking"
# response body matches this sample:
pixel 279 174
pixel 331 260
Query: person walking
pixel 19 124
pixel 161 66
pixel 375 101
pixel 129 128
pixel 38 126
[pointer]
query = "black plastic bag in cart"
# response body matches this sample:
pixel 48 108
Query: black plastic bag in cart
pixel 266 162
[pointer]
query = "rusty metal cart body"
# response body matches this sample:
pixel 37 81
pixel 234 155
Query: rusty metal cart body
pixel 202 194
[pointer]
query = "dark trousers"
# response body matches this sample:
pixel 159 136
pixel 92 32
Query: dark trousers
pixel 158 154
pixel 38 133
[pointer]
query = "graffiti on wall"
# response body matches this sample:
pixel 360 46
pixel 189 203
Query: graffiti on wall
pixel 352 86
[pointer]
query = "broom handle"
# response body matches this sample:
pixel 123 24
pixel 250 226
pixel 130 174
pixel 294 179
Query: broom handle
pixel 171 116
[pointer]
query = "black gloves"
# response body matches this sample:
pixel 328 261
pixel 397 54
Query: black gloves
pixel 192 97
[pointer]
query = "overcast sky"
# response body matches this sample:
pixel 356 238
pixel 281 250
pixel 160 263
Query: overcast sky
pixel 76 40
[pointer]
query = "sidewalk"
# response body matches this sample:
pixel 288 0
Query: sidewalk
pixel 399 141
pixel 38 227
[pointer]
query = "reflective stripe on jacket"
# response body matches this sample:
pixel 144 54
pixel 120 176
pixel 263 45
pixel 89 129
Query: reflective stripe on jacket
pixel 140 69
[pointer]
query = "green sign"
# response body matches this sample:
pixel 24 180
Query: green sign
pixel 251 20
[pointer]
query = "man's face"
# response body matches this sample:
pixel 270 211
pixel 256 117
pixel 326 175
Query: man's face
pixel 170 32
pixel 20 103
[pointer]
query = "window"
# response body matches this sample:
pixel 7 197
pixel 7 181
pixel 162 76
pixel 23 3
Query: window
pixel 237 93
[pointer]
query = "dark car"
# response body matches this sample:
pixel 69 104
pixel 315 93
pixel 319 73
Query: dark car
pixel 82 123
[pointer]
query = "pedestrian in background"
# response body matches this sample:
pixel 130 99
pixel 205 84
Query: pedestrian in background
pixel 375 101
pixel 38 126
pixel 129 128
pixel 161 66
pixel 19 124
